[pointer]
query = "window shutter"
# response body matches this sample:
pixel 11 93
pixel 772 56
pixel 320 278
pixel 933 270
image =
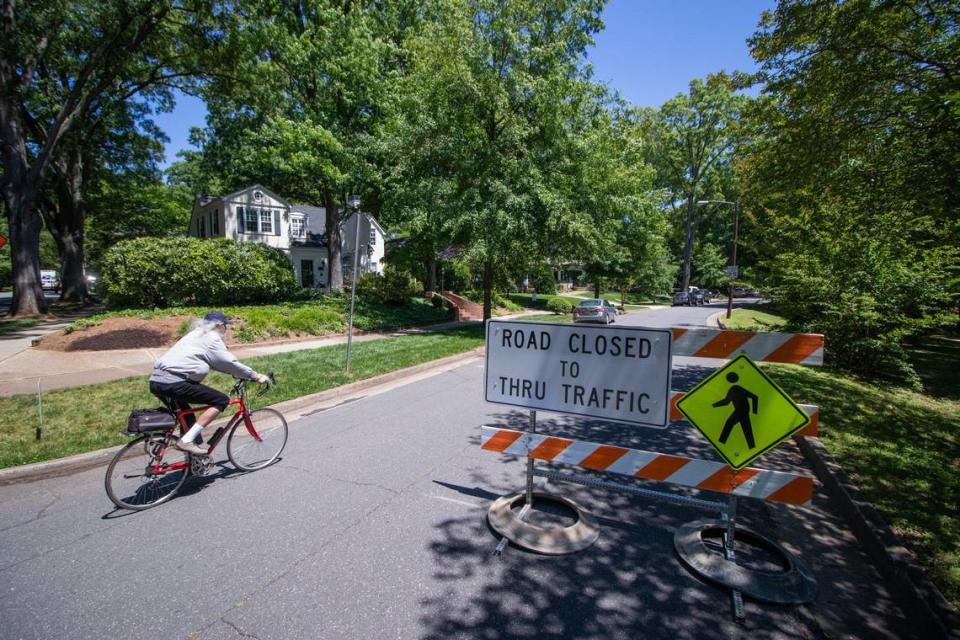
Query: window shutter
pixel 276 222
pixel 241 221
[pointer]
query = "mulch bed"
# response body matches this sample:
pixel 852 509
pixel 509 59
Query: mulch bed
pixel 117 333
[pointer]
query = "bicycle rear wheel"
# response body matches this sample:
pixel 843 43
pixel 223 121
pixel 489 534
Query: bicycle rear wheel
pixel 249 451
pixel 146 472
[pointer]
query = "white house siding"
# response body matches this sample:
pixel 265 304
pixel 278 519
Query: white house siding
pixel 319 257
pixel 220 217
pixel 279 235
pixel 373 262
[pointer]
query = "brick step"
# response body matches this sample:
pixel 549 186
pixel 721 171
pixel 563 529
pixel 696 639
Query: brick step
pixel 466 310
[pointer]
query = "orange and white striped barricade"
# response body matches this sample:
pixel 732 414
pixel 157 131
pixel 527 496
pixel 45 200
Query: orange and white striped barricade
pixel 567 369
pixel 775 486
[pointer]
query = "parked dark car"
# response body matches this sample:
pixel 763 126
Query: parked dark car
pixel 595 310
pixel 697 296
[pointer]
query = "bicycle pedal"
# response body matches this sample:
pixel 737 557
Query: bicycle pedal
pixel 200 465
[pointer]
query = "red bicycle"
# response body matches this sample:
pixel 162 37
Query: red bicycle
pixel 150 470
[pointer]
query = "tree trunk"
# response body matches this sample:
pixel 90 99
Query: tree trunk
pixel 66 224
pixel 334 243
pixel 25 227
pixel 431 282
pixel 688 229
pixel 20 188
pixel 596 289
pixel 487 290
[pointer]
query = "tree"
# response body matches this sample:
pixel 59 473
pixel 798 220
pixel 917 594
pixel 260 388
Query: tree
pixel 692 137
pixel 851 174
pixel 61 64
pixel 491 112
pixel 299 109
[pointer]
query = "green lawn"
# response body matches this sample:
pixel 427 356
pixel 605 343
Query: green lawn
pixel 327 315
pixel 901 447
pixel 754 318
pixel 93 417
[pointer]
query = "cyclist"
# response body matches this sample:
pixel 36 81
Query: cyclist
pixel 177 375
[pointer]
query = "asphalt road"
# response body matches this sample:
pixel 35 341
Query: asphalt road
pixel 373 526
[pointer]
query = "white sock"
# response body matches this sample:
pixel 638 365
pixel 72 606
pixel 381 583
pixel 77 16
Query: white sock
pixel 192 434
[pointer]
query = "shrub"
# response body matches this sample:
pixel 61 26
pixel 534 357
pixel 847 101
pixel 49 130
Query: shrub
pixel 456 275
pixel 559 305
pixel 159 272
pixel 395 286
pixel 399 286
pixel 542 280
pixel 370 287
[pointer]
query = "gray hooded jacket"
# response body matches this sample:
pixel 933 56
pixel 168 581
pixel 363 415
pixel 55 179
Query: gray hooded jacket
pixel 194 355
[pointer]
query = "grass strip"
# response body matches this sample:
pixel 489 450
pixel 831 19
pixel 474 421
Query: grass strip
pixel 902 448
pixel 751 319
pixel 93 417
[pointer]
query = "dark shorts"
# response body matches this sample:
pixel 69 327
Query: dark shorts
pixel 182 394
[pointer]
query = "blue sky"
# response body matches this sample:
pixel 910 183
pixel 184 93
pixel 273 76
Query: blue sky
pixel 649 52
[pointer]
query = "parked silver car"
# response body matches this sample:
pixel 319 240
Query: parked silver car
pixel 595 310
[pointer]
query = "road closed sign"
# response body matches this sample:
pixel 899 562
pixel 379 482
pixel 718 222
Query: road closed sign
pixel 620 374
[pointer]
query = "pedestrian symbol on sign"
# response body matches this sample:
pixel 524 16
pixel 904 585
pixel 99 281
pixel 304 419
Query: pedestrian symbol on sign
pixel 740 394
pixel 741 399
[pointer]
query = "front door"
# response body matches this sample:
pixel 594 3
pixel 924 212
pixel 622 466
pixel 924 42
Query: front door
pixel 306 274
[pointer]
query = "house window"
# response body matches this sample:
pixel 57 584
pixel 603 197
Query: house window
pixel 296 227
pixel 249 220
pixel 266 221
pixel 257 220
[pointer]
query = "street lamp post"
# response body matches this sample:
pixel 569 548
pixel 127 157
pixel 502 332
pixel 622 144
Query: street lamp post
pixel 354 205
pixel 736 237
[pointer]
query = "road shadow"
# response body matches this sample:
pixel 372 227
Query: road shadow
pixel 628 585
pixel 191 486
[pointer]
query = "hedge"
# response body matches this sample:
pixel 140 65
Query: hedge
pixel 160 272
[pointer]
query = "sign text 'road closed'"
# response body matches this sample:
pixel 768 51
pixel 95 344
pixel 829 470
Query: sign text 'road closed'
pixel 620 373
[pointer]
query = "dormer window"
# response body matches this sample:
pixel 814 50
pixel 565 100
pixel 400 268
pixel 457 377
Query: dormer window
pixel 297 227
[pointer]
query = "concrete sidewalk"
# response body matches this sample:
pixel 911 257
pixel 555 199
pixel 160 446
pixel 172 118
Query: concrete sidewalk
pixel 20 373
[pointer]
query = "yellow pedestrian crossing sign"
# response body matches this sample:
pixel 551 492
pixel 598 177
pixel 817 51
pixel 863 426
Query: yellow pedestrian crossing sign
pixel 742 412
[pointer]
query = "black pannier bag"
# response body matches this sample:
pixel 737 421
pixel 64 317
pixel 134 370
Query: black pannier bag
pixel 147 420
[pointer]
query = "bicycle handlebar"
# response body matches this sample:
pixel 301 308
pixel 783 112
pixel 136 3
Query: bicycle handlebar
pixel 242 383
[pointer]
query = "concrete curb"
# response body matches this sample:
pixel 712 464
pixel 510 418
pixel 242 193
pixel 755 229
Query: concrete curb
pixel 714 320
pixel 102 457
pixel 920 599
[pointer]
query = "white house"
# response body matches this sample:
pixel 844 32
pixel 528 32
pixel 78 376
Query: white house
pixel 256 214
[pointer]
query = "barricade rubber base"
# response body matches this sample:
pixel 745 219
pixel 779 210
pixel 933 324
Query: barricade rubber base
pixel 552 541
pixel 794 585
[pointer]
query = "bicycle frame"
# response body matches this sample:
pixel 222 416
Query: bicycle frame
pixel 242 413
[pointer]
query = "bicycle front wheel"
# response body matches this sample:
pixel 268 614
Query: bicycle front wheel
pixel 146 472
pixel 254 448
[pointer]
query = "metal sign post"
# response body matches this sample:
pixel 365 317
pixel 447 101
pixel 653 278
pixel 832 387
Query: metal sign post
pixel 353 204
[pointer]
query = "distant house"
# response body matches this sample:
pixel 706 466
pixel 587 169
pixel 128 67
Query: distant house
pixel 256 214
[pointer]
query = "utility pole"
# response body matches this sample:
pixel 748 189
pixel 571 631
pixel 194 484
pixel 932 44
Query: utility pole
pixel 736 237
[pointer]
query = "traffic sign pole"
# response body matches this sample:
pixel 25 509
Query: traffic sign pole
pixel 736 237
